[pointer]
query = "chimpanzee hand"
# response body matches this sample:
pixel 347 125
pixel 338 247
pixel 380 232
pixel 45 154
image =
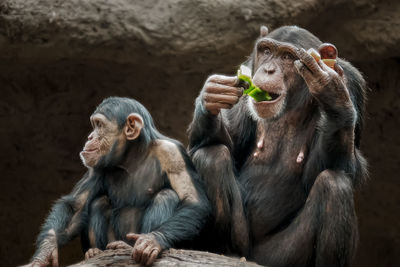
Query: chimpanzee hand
pixel 321 79
pixel 220 92
pixel 146 248
pixel 92 252
pixel 48 253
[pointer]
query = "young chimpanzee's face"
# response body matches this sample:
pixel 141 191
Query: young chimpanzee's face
pixel 101 140
pixel 108 137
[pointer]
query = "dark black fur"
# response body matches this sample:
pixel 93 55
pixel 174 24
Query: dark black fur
pixel 294 217
pixel 112 194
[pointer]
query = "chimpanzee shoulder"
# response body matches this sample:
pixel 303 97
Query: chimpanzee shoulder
pixel 169 154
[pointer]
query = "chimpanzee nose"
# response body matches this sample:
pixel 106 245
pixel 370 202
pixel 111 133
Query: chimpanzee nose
pixel 270 68
pixel 90 137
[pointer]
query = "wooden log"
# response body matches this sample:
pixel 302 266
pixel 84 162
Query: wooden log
pixel 169 258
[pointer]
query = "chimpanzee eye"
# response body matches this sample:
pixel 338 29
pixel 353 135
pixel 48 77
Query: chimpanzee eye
pixel 98 124
pixel 263 49
pixel 266 51
pixel 288 57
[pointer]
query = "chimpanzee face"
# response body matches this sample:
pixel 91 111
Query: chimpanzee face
pixel 275 73
pixel 101 140
pixel 108 137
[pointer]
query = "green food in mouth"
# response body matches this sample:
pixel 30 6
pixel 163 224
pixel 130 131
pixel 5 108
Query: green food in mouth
pixel 244 76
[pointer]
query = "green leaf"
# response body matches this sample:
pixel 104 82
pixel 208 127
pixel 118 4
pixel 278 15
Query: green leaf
pixel 253 91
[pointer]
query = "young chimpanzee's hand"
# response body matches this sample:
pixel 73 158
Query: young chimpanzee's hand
pixel 146 248
pixel 48 253
pixel 118 244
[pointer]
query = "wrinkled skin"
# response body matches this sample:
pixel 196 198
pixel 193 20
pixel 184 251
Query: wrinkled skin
pixel 275 76
pixel 48 254
pixel 220 92
pixel 105 133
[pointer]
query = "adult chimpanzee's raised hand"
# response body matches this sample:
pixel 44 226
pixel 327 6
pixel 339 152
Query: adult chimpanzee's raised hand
pixel 320 78
pixel 220 92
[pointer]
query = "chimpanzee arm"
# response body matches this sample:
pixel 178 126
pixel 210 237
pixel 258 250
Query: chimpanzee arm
pixel 190 215
pixel 206 129
pixel 193 208
pixel 64 221
pixel 208 126
pixel 336 137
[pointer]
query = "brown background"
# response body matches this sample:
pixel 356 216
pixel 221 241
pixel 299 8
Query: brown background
pixel 59 59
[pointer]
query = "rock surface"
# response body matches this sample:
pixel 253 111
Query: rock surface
pixel 60 58
pixel 123 31
pixel 169 258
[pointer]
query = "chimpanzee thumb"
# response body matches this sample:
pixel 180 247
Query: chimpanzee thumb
pixel 132 236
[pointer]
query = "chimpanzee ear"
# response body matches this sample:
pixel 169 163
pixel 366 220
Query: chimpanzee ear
pixel 134 124
pixel 263 31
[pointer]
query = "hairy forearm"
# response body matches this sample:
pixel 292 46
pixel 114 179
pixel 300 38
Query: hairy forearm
pixel 206 129
pixel 184 225
pixel 57 223
pixel 45 246
pixel 338 118
pixel 337 106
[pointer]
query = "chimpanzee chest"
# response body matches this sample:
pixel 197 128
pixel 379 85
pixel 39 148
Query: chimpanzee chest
pixel 272 181
pixel 136 188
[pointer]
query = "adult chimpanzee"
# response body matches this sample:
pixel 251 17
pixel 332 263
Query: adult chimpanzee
pixel 281 173
pixel 138 181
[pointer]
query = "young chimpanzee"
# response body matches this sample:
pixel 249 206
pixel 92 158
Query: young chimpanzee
pixel 140 188
pixel 280 173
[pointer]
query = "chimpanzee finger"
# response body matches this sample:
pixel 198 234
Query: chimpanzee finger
pixel 339 69
pixel 87 255
pixel 217 88
pixel 212 107
pixel 90 251
pixel 308 60
pixel 54 258
pixel 153 256
pixel 222 79
pixel 123 245
pixel 96 251
pixel 132 236
pixel 117 244
pixel 136 255
pixel 146 254
pixel 223 99
pixel 303 70
pixel 138 251
pixel 112 245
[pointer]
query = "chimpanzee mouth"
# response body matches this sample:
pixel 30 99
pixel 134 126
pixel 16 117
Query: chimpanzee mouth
pixel 89 150
pixel 275 97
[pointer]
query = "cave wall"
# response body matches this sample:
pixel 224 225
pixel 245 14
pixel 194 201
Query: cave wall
pixel 59 59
